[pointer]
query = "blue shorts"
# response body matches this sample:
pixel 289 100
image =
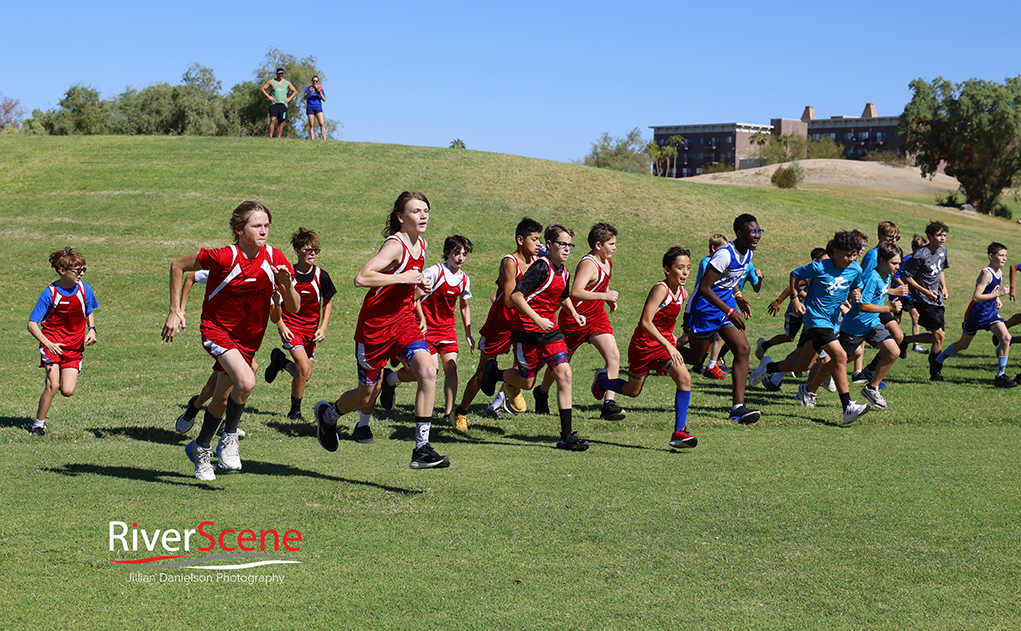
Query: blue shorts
pixel 971 327
pixel 313 112
pixel 703 326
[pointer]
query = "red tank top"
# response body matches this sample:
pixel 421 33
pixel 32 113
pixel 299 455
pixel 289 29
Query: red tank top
pixel 383 305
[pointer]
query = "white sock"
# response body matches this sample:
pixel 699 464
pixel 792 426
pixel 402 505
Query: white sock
pixel 711 364
pixel 501 396
pixel 363 419
pixel 422 434
pixel 392 379
pixel 39 423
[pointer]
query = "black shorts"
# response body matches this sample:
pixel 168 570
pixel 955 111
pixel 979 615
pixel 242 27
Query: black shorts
pixel 791 324
pixel 930 317
pixel 886 318
pixel 821 337
pixel 278 111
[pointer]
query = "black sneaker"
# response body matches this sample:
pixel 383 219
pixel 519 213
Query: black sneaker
pixel 769 385
pixel 295 416
pixel 490 375
pixel 37 431
pixel 386 395
pixel 611 411
pixel 277 361
pixel 745 416
pixel 542 400
pixel 362 434
pixel 326 433
pixel 903 350
pixel 571 442
pixel 1003 381
pixel 425 457
pixel 494 413
pixel 935 368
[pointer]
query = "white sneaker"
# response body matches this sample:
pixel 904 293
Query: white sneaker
pixel 223 428
pixel 227 453
pixel 805 397
pixel 760 348
pixel 500 401
pixel 855 410
pixel 200 458
pixel 760 372
pixel 874 397
pixel 830 384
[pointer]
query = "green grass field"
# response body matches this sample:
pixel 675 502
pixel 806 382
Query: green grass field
pixel 907 519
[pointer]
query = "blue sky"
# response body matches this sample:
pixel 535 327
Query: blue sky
pixel 539 79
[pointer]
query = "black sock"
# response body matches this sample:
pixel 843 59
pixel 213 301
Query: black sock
pixel 209 426
pixel 565 422
pixel 845 400
pixel 539 392
pixel 773 367
pixel 233 416
pixel 873 364
pixel 295 405
pixel 461 411
pixel 723 352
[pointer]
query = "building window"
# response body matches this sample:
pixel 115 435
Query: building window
pixel 848 135
pixel 701 156
pixel 729 140
pixel 685 172
pixel 815 137
pixel 833 137
pixel 880 136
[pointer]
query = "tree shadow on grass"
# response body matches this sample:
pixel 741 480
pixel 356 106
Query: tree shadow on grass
pixel 20 421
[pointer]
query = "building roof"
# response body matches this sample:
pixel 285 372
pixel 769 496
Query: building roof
pixel 750 128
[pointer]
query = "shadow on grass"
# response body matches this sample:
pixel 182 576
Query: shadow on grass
pixel 148 434
pixel 302 429
pixel 20 421
pixel 251 467
pixel 131 473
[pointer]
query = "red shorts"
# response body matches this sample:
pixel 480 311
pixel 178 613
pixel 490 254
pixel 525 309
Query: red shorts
pixel 576 335
pixel 302 339
pixel 528 356
pixel 67 359
pixel 402 341
pixel 217 342
pixel 643 361
pixel 495 344
pixel 435 348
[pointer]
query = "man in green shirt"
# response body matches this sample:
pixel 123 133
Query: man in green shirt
pixel 283 92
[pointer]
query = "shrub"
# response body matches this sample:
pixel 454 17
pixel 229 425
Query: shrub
pixel 948 201
pixel 788 177
pixel 889 158
pixel 719 167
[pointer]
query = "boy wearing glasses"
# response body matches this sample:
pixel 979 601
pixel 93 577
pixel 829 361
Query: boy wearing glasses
pixel 718 307
pixel 887 233
pixel 301 331
pixel 543 289
pixel 63 322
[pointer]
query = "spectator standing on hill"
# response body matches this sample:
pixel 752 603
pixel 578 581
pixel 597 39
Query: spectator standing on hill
pixel 283 92
pixel 314 98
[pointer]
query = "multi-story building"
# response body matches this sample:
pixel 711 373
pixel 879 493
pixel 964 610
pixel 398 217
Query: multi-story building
pixel 734 144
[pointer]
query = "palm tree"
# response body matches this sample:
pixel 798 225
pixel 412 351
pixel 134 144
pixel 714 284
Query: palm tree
pixel 675 141
pixel 457 144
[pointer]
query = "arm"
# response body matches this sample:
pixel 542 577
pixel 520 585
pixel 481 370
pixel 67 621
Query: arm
pixel 466 318
pixel 774 307
pixel 913 284
pixel 757 281
pixel 565 303
pixel 506 281
pixel 285 285
pixel 943 285
pixel 792 290
pixel 518 302
pixel 324 321
pixel 419 312
pixel 175 318
pixel 656 297
pixel 585 276
pixel 188 282
pixel 1013 270
pixel 264 93
pixel 983 279
pixel 90 336
pixel 294 92
pixel 373 273
pixel 37 333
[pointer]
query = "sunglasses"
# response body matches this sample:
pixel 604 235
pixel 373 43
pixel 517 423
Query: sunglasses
pixel 310 250
pixel 77 270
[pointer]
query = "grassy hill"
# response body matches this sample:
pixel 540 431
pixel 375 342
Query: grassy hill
pixel 907 519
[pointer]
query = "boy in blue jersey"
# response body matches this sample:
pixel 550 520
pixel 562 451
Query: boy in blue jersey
pixel 983 314
pixel 831 281
pixel 716 242
pixel 718 307
pixel 887 233
pixel 863 324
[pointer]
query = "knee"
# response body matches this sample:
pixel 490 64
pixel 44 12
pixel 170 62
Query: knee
pixel 303 369
pixel 244 387
pixel 427 373
pixel 66 390
pixel 563 374
pixel 1006 338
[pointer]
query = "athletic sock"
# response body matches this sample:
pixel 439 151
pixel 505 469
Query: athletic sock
pixel 363 419
pixel 682 398
pixel 295 405
pixel 711 364
pixel 565 422
pixel 459 410
pixel 1001 367
pixel 949 351
pixel 422 426
pixel 612 385
pixel 232 417
pixel 392 379
pixel 723 352
pixel 210 424
pixel 845 400
pixel 39 423
pixel 874 363
pixel 772 367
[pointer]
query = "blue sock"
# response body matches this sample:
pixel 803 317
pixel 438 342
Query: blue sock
pixel 612 385
pixel 949 351
pixel 681 401
pixel 1001 365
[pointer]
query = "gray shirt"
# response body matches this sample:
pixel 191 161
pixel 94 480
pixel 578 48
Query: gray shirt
pixel 925 266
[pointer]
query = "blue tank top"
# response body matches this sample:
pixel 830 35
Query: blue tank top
pixel 982 312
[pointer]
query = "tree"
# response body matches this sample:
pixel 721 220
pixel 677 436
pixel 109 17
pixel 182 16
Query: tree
pixel 676 142
pixel 457 144
pixel 824 149
pixel 668 153
pixel 11 113
pixel 80 112
pixel 300 73
pixel 621 154
pixel 974 126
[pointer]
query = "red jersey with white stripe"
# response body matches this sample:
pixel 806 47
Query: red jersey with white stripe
pixel 392 305
pixel 66 320
pixel 593 310
pixel 544 287
pixel 239 291
pixel 664 321
pixel 498 322
pixel 438 305
pixel 313 292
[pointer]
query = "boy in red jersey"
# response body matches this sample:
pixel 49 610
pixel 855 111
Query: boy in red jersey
pixel 64 311
pixel 243 279
pixel 435 311
pixel 300 332
pixel 494 338
pixel 653 347
pixel 540 292
pixel 589 291
pixel 387 328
